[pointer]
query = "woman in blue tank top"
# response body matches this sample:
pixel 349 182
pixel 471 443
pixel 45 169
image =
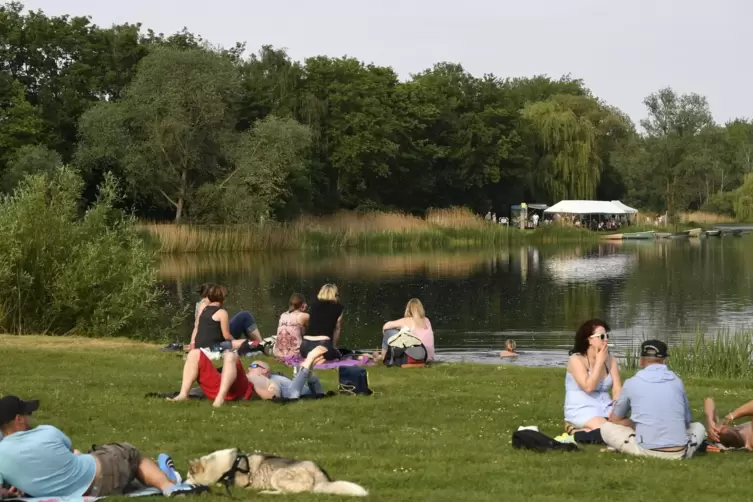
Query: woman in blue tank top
pixel 591 374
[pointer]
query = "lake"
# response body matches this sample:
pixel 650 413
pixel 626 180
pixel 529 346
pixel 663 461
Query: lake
pixel 669 289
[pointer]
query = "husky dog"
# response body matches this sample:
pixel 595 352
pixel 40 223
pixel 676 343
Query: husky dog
pixel 273 475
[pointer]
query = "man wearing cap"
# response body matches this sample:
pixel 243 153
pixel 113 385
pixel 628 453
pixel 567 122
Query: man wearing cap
pixel 658 405
pixel 41 462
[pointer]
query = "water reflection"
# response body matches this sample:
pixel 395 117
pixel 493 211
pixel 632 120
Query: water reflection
pixel 477 299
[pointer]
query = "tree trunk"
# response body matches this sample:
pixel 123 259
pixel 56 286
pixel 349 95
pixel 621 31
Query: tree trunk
pixel 179 210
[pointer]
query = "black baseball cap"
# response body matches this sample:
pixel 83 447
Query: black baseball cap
pixel 654 348
pixel 11 406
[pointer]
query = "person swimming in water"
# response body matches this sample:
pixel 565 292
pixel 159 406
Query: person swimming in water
pixel 509 349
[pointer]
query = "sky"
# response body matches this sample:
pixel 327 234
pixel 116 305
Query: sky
pixel 623 49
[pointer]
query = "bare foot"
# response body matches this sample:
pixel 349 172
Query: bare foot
pixel 318 351
pixel 177 398
pixel 218 402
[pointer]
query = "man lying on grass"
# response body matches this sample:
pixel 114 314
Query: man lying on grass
pixel 304 383
pixel 720 432
pixel 659 408
pixel 231 384
pixel 41 462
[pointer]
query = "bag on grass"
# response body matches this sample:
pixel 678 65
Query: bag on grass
pixel 405 348
pixel 536 441
pixel 354 380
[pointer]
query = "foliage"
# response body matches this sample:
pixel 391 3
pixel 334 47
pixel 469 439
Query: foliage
pixel 64 272
pixel 744 200
pixel 127 100
pixel 29 159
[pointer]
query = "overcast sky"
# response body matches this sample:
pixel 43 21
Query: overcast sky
pixel 623 49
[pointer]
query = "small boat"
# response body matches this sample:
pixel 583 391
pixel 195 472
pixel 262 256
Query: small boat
pixel 680 235
pixel 713 233
pixel 613 237
pixel 663 235
pixel 639 235
pixel 696 232
pixel 737 232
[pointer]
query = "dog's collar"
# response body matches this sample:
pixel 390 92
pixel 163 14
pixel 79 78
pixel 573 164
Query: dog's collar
pixel 228 479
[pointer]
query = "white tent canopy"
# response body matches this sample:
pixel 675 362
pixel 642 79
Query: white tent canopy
pixel 585 207
pixel 626 208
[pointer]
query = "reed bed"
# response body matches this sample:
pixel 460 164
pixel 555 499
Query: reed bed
pixel 725 355
pixel 442 228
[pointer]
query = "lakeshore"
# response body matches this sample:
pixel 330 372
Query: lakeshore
pixel 440 433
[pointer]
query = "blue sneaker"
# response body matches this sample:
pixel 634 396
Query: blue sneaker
pixel 166 464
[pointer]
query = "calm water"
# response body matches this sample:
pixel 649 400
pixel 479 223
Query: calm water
pixel 477 299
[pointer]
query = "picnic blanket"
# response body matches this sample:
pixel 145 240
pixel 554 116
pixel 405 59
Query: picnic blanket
pixel 143 492
pixel 328 365
pixel 198 396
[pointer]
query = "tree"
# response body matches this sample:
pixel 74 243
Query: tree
pixel 744 201
pixel 29 160
pixel 669 163
pixel 20 122
pixel 264 161
pixel 171 130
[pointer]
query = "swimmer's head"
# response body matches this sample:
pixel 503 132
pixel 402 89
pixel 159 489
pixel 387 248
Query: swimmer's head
pixel 510 345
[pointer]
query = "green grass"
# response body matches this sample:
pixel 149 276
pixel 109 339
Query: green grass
pixel 434 434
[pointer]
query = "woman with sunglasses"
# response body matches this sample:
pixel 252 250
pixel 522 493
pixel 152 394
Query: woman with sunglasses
pixel 591 374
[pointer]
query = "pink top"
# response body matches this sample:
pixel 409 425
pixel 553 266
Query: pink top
pixel 426 335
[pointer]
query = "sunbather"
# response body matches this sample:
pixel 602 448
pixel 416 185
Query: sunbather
pixel 41 462
pixel 740 436
pixel 241 326
pixel 230 385
pixel 304 383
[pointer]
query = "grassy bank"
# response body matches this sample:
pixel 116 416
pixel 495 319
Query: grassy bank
pixel 441 433
pixel 441 229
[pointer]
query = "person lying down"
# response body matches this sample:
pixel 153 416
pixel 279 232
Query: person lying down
pixel 720 431
pixel 304 383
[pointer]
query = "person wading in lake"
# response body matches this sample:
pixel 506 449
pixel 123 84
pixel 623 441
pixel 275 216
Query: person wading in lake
pixel 325 322
pixel 658 406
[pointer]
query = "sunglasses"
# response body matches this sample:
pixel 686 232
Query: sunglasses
pixel 256 365
pixel 602 336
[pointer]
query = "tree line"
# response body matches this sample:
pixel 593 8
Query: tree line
pixel 206 134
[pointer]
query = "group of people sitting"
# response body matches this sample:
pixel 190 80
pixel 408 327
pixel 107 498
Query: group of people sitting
pixel 310 332
pixel 648 415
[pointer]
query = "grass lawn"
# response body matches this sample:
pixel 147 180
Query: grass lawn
pixel 440 433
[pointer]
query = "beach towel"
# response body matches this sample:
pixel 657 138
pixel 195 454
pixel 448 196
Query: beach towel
pixel 144 492
pixel 198 397
pixel 362 360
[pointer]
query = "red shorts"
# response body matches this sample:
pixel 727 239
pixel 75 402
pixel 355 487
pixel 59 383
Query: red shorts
pixel 209 381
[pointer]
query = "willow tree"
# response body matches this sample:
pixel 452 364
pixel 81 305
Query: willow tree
pixel 565 129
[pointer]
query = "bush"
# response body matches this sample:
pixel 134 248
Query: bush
pixel 65 272
pixel 720 203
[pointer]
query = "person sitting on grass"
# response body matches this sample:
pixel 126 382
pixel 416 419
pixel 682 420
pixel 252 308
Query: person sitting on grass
pixel 304 383
pixel 658 406
pixel 241 325
pixel 414 319
pixel 212 326
pixel 509 351
pixel 41 462
pixel 721 433
pixel 325 322
pixel 591 374
pixel 290 328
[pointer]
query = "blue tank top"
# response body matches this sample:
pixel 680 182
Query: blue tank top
pixel 582 406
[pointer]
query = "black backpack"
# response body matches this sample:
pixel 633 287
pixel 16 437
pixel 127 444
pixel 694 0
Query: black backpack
pixel 536 441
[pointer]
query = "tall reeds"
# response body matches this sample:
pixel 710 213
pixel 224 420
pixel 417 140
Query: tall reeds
pixel 442 228
pixel 726 355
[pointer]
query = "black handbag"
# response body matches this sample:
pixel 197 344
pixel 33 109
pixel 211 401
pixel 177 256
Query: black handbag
pixel 354 380
pixel 536 441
